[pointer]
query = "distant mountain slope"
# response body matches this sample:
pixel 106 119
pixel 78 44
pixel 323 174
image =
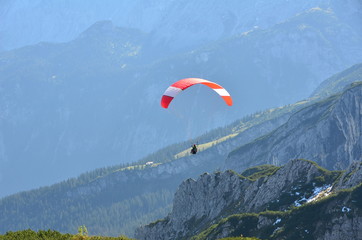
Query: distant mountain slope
pixel 120 198
pixel 328 132
pixel 62 106
pixel 94 101
pixel 338 82
pixel 170 22
pixel 111 205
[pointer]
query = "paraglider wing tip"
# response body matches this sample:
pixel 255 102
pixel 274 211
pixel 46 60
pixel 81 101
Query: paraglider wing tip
pixel 165 101
pixel 163 105
pixel 228 100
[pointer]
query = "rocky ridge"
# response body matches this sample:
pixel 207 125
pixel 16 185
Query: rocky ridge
pixel 290 191
pixel 328 132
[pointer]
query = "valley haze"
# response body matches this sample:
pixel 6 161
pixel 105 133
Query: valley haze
pixel 80 91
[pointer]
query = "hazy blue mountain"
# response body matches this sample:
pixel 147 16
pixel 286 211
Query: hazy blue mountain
pixel 119 199
pixel 338 82
pixel 64 102
pixel 174 24
pixel 94 101
pixel 328 132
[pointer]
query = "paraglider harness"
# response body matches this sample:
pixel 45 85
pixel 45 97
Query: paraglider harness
pixel 194 149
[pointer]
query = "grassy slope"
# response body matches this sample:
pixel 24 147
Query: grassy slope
pixel 54 235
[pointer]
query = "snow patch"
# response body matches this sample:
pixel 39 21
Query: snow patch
pixel 346 209
pixel 318 193
pixel 277 229
pixel 299 202
pixel 277 221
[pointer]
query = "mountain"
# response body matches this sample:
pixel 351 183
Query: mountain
pixel 338 82
pixel 216 196
pixel 327 132
pixel 94 101
pixel 298 200
pixel 171 23
pixel 55 111
pixel 118 199
pixel 123 197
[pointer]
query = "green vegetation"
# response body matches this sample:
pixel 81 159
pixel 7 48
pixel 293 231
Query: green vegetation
pixel 158 221
pixel 250 171
pixel 257 172
pixel 113 211
pixel 54 235
pixel 239 225
pixel 328 176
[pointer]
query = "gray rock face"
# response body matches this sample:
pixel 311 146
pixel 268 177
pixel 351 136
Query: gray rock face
pixel 328 132
pixel 196 203
pixel 213 196
pixel 270 189
pixel 344 224
pixel 344 227
pixel 351 177
pixel 200 203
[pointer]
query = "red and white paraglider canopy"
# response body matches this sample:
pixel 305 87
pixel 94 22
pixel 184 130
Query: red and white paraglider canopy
pixel 172 91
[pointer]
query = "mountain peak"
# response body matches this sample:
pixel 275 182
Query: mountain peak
pixel 108 29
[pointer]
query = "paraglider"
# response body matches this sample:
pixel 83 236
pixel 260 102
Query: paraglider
pixel 181 85
pixel 193 149
pixel 172 91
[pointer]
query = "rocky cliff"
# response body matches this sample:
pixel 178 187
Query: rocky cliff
pixel 198 203
pixel 328 132
pixel 294 192
pixel 351 177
